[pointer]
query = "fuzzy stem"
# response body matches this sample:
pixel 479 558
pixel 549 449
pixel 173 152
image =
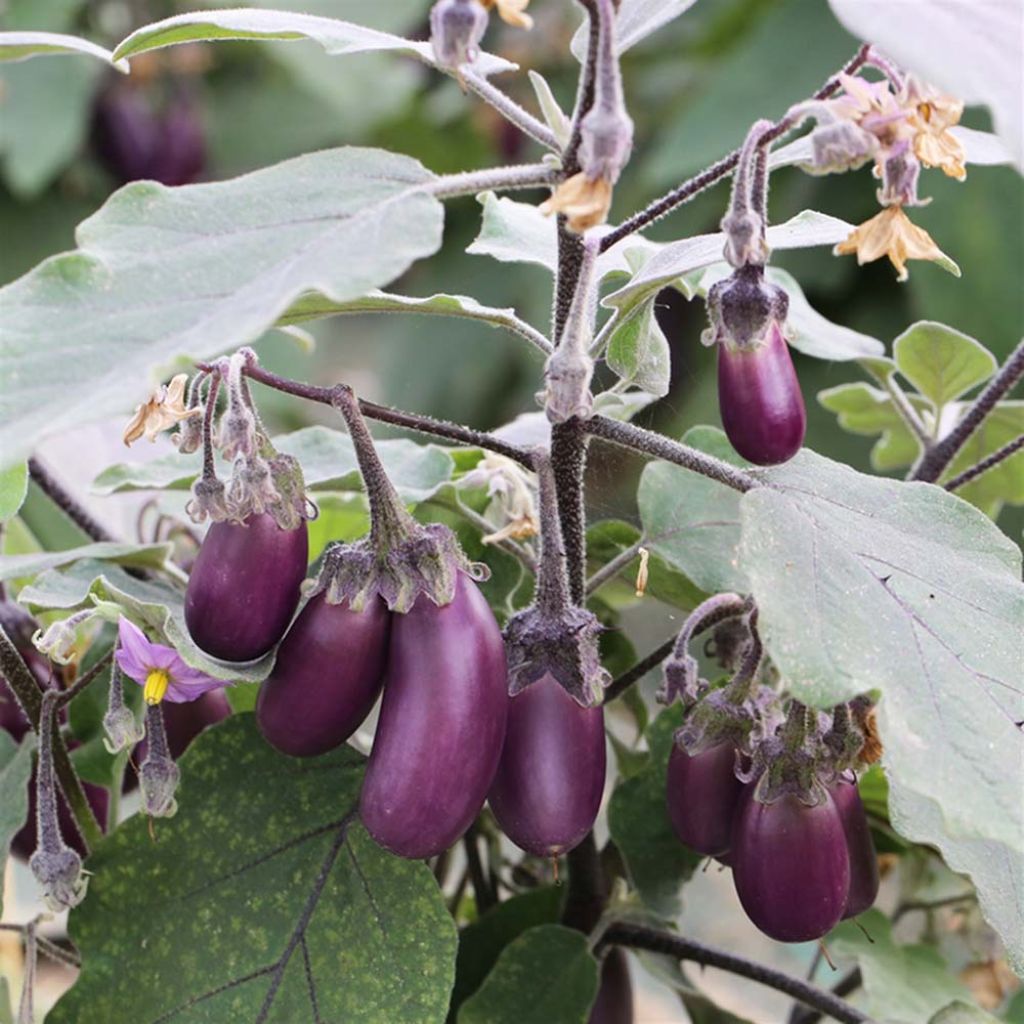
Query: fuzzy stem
pixel 48 835
pixel 210 412
pixel 158 748
pixel 84 680
pixel 64 500
pixel 743 198
pixel 617 687
pixel 646 442
pixel 552 578
pixel 987 463
pixel 469 183
pixel 695 185
pixel 26 1011
pixel 709 613
pixel 934 462
pixel 608 95
pixel 612 568
pixel 569 463
pixel 509 109
pixel 621 933
pixel 584 89
pixel 907 412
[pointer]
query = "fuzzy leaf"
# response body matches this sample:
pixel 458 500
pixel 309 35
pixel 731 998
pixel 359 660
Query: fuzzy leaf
pixel 162 273
pixel 264 899
pixel 13 489
pixel 940 362
pixel 16 46
pixel 638 352
pixel 146 556
pixel 335 36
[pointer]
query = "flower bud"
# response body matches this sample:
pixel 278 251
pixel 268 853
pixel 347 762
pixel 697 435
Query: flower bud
pixel 606 141
pixel 842 146
pixel 60 876
pixel 208 501
pixel 456 28
pixel 159 775
pixel 59 641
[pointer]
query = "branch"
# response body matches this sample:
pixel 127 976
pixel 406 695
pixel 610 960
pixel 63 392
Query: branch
pixel 588 887
pixel 646 442
pixel 934 462
pixel 618 686
pixel 396 417
pixel 639 937
pixel 843 987
pixel 685 192
pixel 611 569
pixel 907 412
pixel 509 109
pixel 987 463
pixel 63 499
pixel 470 183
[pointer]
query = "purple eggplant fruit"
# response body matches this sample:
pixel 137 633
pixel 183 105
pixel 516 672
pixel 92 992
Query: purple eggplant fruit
pixel 328 673
pixel 702 793
pixel 547 791
pixel 614 1003
pixel 244 587
pixel 791 866
pixel 760 400
pixel 863 858
pixel 442 724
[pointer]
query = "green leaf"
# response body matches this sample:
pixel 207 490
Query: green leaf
pixel 866 583
pixel 262 899
pixel 328 462
pixel 636 20
pixel 16 46
pixel 692 522
pixel 869 411
pixel 146 556
pixel 88 582
pixel 903 984
pixel 963 1013
pixel 940 362
pixel 13 488
pixel 556 118
pixel 15 769
pixel 198 270
pixel 481 943
pixel 335 36
pixel 638 352
pixel 1005 482
pixel 657 862
pixel 622 405
pixel 547 974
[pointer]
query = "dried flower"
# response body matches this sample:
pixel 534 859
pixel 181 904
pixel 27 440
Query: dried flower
pixel 164 408
pixel 511 12
pixel 933 115
pixel 585 202
pixel 891 233
pixel 160 670
pixel 60 640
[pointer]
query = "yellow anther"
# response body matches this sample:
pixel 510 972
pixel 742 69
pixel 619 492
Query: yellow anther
pixel 156 686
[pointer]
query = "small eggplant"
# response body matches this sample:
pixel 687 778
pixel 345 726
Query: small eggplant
pixel 550 779
pixel 614 1003
pixel 864 879
pixel 442 724
pixel 244 587
pixel 702 793
pixel 329 670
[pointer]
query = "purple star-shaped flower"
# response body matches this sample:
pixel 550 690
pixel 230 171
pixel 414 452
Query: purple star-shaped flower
pixel 159 669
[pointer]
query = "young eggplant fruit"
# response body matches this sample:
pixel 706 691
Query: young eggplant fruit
pixel 442 724
pixel 760 400
pixel 244 587
pixel 548 788
pixel 702 794
pixel 614 1003
pixel 328 673
pixel 863 858
pixel 791 866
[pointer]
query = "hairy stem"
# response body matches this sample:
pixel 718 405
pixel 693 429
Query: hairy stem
pixel 843 987
pixel 935 461
pixel 612 568
pixel 617 687
pixel 635 936
pixel 910 416
pixel 552 580
pixel 987 463
pixel 569 463
pixel 64 500
pixel 504 178
pixel 588 887
pixel 509 109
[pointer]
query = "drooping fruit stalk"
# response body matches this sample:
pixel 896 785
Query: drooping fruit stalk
pixel 864 880
pixel 614 1003
pixel 328 673
pixel 702 794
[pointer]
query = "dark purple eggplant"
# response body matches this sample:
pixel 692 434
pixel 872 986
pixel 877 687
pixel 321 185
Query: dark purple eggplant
pixel 702 793
pixel 760 400
pixel 442 724
pixel 547 791
pixel 329 670
pixel 614 1003
pixel 244 587
pixel 864 879
pixel 791 866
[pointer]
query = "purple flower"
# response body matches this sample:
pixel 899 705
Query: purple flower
pixel 160 670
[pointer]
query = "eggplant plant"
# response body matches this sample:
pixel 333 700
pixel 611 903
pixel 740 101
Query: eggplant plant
pixel 358 730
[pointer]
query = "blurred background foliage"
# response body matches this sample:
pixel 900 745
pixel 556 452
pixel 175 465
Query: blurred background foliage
pixel 693 89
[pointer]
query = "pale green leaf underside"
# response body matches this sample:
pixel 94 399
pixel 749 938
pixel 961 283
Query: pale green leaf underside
pixel 546 974
pixel 262 899
pixel 16 46
pixel 940 362
pixel 335 36
pixel 328 463
pixel 163 273
pixel 145 556
pixel 636 20
pixel 13 489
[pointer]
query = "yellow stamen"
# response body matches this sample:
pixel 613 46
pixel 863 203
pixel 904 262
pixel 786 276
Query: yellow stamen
pixel 156 686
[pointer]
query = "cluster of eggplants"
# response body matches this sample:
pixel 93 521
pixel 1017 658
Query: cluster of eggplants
pixel 799 869
pixel 134 140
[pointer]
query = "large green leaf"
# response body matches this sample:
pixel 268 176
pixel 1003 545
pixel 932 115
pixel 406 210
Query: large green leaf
pixel 22 45
pixel 262 900
pixel 335 36
pixel 1005 482
pixel 15 769
pixel 940 362
pixel 13 489
pixel 161 273
pixel 150 556
pixel 656 860
pixel 546 975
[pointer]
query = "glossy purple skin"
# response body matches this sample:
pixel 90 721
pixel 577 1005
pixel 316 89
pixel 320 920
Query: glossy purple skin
pixel 329 670
pixel 547 791
pixel 791 867
pixel 614 1003
pixel 864 879
pixel 244 587
pixel 701 795
pixel 761 404
pixel 442 724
